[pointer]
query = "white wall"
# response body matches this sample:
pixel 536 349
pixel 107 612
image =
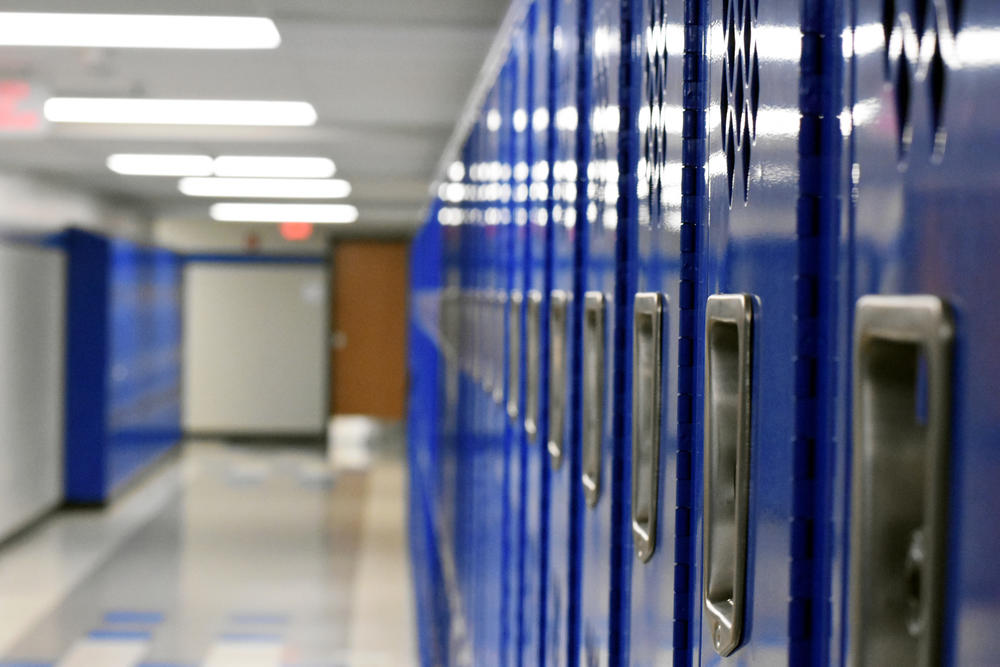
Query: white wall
pixel 32 339
pixel 33 205
pixel 255 347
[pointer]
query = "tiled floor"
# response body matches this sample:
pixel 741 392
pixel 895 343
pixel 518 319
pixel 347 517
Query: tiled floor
pixel 228 557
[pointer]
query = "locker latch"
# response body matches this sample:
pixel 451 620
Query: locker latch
pixel 594 341
pixel 728 391
pixel 558 378
pixel 532 362
pixel 499 306
pixel 647 344
pixel 514 305
pixel 902 400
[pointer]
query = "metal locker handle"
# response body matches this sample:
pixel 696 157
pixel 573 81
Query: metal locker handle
pixel 594 306
pixel 473 329
pixel 499 306
pixel 486 336
pixel 468 334
pixel 899 494
pixel 558 308
pixel 485 347
pixel 450 323
pixel 728 391
pixel 464 332
pixel 514 305
pixel 647 341
pixel 490 375
pixel 532 362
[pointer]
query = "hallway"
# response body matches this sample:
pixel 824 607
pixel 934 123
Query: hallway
pixel 248 556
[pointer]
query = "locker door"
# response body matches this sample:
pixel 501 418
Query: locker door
pixel 423 430
pixel 469 402
pixel 663 581
pixel 488 458
pixel 447 496
pixel 607 278
pixel 454 502
pixel 519 109
pixel 925 157
pixel 764 582
pixel 568 178
pixel 535 414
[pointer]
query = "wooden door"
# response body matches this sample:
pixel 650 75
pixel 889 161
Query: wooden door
pixel 368 325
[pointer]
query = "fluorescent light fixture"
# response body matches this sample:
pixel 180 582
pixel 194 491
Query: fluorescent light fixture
pixel 266 188
pixel 137 31
pixel 318 213
pixel 178 112
pixel 274 167
pixel 132 164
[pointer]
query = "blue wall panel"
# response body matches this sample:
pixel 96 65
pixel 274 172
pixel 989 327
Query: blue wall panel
pixel 123 362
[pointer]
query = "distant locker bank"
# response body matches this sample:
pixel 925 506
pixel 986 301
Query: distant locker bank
pixel 703 343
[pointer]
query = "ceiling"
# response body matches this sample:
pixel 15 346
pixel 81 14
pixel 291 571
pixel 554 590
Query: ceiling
pixel 388 79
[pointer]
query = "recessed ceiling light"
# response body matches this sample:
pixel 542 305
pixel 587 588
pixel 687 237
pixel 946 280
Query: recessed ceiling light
pixel 274 167
pixel 318 213
pixel 178 112
pixel 266 188
pixel 137 31
pixel 132 164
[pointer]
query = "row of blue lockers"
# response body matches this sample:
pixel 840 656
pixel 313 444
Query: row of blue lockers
pixel 123 361
pixel 704 340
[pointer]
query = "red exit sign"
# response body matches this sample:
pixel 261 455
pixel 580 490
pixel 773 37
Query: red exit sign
pixel 21 107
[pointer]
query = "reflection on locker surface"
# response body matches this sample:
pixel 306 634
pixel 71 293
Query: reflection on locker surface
pixel 746 264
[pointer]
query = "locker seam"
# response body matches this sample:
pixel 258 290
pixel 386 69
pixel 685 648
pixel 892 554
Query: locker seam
pixel 694 191
pixel 818 203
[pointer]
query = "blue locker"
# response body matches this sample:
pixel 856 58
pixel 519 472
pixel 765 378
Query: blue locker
pixel 534 418
pixel 447 501
pixel 607 223
pixel 478 240
pixel 924 153
pixel 486 466
pixel 424 346
pixel 122 362
pixel 520 60
pixel 764 559
pixel 570 126
pixel 464 624
pixel 670 166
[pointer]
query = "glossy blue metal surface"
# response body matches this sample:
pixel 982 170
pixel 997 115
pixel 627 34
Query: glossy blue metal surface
pixel 753 246
pixel 924 167
pixel 664 587
pixel 605 228
pixel 538 260
pixel 521 59
pixel 568 180
pixel 819 471
pixel 423 433
pixel 123 362
pixel 144 411
pixel 487 463
pixel 445 491
pixel 804 153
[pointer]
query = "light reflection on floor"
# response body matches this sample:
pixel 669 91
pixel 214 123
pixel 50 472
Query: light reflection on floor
pixel 232 556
